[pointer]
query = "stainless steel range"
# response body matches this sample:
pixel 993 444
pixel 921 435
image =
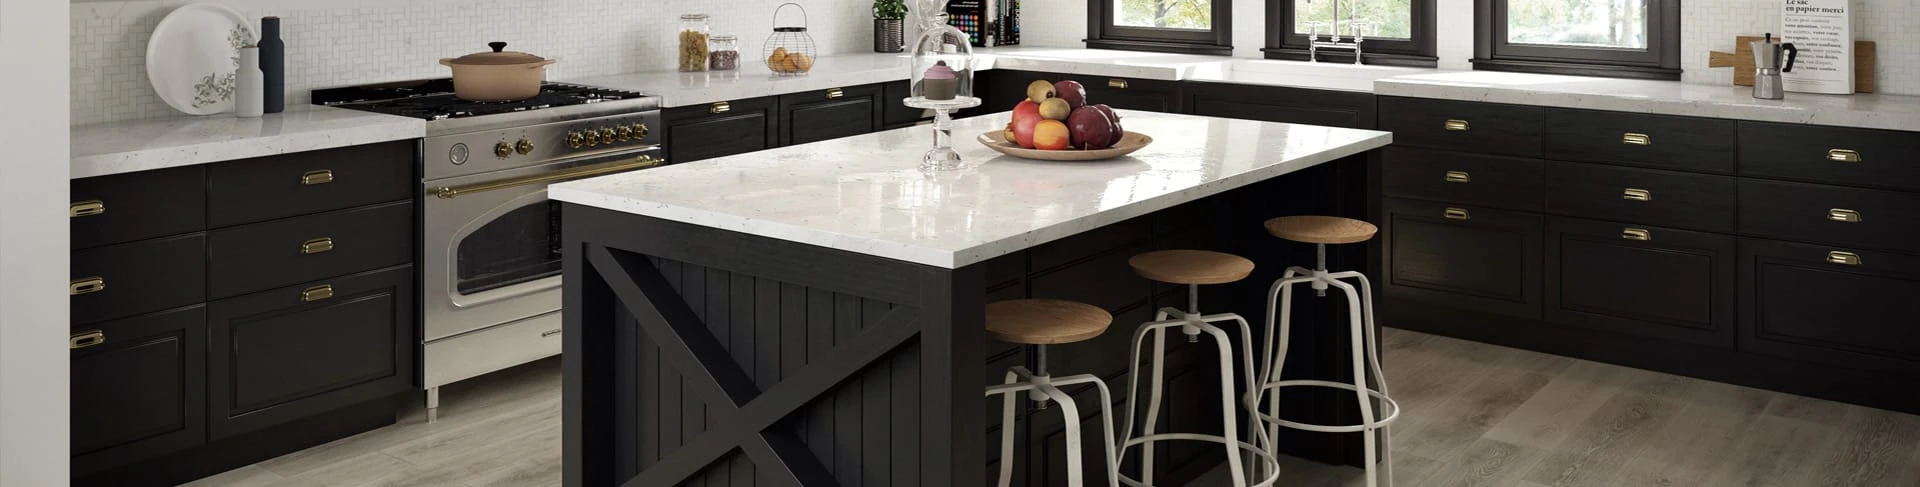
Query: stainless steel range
pixel 491 258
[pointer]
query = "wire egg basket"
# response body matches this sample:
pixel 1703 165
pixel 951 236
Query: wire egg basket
pixel 790 50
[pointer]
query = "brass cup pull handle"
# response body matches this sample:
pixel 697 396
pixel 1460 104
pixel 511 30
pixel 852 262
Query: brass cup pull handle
pixel 1457 214
pixel 720 107
pixel 1631 138
pixel 835 93
pixel 1636 194
pixel 1842 155
pixel 316 293
pixel 86 339
pixel 321 176
pixel 1843 258
pixel 1843 215
pixel 1640 234
pixel 1457 125
pixel 1116 83
pixel 1459 177
pixel 551 332
pixel 86 208
pixel 86 285
pixel 315 246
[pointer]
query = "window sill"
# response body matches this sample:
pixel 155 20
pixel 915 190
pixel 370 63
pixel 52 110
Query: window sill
pixel 1577 69
pixel 1346 57
pixel 1160 46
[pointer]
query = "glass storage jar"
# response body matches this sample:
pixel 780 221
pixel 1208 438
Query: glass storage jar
pixel 694 33
pixel 724 53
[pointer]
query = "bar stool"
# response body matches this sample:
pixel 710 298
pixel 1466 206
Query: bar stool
pixel 1042 322
pixel 1322 231
pixel 1195 268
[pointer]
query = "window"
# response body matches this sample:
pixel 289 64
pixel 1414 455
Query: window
pixel 1619 38
pixel 1188 26
pixel 1397 32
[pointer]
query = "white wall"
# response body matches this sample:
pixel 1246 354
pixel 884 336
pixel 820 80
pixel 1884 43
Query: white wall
pixel 33 244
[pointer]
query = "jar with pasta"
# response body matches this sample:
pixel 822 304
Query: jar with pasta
pixel 695 30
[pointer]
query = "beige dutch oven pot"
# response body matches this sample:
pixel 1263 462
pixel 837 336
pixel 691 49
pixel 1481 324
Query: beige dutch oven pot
pixel 500 75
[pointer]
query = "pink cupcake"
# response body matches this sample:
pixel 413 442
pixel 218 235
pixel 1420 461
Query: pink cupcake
pixel 940 82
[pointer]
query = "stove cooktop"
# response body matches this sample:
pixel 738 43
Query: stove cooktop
pixel 433 100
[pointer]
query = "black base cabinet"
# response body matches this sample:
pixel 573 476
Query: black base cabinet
pixel 1004 88
pixel 1652 281
pixel 813 116
pixel 1842 307
pixel 138 388
pixel 721 129
pixel 1344 109
pixel 1469 257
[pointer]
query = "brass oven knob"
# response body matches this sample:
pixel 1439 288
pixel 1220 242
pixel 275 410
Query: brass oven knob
pixel 626 133
pixel 575 140
pixel 523 147
pixel 640 131
pixel 606 135
pixel 503 149
pixel 593 138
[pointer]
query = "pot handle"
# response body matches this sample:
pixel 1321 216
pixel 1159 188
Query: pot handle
pixel 446 61
pixel 541 64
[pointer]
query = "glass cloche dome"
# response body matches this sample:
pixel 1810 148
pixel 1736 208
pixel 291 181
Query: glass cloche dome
pixel 942 77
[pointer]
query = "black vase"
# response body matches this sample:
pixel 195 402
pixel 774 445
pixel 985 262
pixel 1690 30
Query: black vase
pixel 273 66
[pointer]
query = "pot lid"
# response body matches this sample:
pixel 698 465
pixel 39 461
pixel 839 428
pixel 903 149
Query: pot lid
pixel 499 57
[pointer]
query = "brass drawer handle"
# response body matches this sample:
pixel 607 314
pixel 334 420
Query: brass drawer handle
pixel 720 107
pixel 835 93
pixel 86 208
pixel 1459 177
pixel 1636 194
pixel 1457 214
pixel 1631 138
pixel 315 246
pixel 86 285
pixel 86 339
pixel 1842 155
pixel 1457 125
pixel 1843 215
pixel 317 293
pixel 1640 234
pixel 1843 258
pixel 322 176
pixel 1117 83
pixel 549 333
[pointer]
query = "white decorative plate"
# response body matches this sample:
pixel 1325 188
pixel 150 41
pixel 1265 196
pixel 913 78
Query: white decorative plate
pixel 193 55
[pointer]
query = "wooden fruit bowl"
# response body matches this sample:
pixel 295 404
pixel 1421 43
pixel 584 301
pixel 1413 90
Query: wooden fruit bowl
pixel 1130 142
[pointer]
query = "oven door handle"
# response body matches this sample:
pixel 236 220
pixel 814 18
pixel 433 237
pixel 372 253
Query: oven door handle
pixel 637 163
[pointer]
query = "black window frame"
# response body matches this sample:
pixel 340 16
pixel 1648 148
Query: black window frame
pixel 1103 34
pixel 1660 60
pixel 1284 43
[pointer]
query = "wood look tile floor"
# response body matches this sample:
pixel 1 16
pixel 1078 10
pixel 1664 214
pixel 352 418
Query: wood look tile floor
pixel 1476 414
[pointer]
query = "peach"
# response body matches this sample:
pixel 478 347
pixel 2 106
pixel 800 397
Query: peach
pixel 1051 135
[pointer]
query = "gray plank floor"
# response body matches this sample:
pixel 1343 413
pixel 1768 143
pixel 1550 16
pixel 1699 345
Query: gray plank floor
pixel 1476 414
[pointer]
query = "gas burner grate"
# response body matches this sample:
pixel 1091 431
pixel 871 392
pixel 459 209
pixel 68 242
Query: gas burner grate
pixel 434 100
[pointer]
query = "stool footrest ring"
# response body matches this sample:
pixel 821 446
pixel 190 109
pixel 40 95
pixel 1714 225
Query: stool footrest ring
pixel 1390 408
pixel 1260 455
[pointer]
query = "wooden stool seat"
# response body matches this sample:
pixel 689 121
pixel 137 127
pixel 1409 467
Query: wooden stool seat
pixel 1315 229
pixel 1192 267
pixel 1045 321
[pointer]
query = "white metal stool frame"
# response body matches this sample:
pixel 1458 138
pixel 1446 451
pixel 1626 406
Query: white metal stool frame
pixel 1364 353
pixel 1192 323
pixel 1043 389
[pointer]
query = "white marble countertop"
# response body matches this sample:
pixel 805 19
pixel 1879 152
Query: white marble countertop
pixel 1892 112
pixel 865 194
pixel 143 145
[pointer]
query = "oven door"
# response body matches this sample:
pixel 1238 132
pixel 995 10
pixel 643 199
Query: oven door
pixel 492 253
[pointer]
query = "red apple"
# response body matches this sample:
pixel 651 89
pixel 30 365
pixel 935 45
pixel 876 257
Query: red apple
pixel 1091 128
pixel 1051 135
pixel 1118 131
pixel 1025 116
pixel 1073 92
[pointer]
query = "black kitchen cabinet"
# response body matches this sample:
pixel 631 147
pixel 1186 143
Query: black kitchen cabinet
pixel 1639 139
pixel 300 183
pixel 721 129
pixel 813 116
pixel 1842 307
pixel 137 277
pixel 138 388
pixel 293 352
pixel 1463 177
pixel 128 207
pixel 1652 281
pixel 1279 104
pixel 1836 215
pixel 1649 196
pixel 1488 128
pixel 1468 257
pixel 1833 155
pixel 260 256
pixel 1005 88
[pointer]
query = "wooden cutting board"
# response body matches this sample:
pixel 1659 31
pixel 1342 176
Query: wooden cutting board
pixel 1741 60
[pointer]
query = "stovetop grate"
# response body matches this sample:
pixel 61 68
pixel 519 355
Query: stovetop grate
pixel 434 100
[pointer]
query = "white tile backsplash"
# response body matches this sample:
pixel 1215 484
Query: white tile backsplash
pixel 345 42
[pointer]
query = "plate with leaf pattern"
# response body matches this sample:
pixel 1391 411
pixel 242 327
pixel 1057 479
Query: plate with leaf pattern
pixel 193 55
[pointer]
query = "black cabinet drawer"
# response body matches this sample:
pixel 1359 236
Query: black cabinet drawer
pixel 893 113
pixel 721 129
pixel 1644 196
pixel 253 257
pixel 1459 125
pixel 813 116
pixel 1466 257
pixel 293 352
pixel 1844 307
pixel 1473 179
pixel 132 278
pixel 1007 87
pixel 1660 141
pixel 128 207
pixel 1643 280
pixel 1854 157
pixel 266 188
pixel 1830 214
pixel 1279 104
pixel 138 388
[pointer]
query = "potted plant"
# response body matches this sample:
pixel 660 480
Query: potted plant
pixel 889 25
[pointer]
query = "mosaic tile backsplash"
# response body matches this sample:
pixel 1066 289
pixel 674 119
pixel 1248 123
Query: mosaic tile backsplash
pixel 1710 25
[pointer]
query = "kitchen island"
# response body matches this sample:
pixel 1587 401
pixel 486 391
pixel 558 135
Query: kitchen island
pixel 811 315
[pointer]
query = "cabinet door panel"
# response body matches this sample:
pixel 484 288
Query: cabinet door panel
pixel 1658 141
pixel 134 206
pixel 1675 285
pixel 1475 179
pixel 1462 125
pixel 1467 257
pixel 721 129
pixel 1835 215
pixel 814 116
pixel 289 353
pixel 139 277
pixel 1834 155
pixel 264 255
pixel 267 188
pixel 1686 200
pixel 140 393
pixel 1799 304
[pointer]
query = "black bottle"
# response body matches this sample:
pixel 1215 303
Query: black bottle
pixel 273 65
